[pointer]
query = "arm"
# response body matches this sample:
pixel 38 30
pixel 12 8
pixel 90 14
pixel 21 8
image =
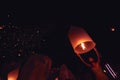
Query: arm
pixel 97 70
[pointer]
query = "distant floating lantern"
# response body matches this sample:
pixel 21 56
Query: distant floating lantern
pixel 81 42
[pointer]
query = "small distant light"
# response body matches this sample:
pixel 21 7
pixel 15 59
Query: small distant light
pixel 37 31
pixel 8 15
pixel 56 78
pixel 112 29
pixel 43 40
pixel 19 54
pixel 1 27
pixel 104 70
pixel 33 52
pixel 16 45
pixel 3 56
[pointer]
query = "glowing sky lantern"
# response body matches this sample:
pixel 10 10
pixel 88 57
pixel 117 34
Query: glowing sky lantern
pixel 81 42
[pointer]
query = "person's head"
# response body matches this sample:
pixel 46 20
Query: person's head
pixel 37 67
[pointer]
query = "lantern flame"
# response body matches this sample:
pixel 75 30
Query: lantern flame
pixel 83 46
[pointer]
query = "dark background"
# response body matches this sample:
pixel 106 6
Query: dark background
pixel 41 27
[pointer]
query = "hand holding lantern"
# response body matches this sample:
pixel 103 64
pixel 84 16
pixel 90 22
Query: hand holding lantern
pixel 82 43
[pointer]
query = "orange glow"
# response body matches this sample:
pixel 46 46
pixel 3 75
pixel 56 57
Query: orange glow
pixel 80 40
pixel 13 75
pixel 83 46
pixel 11 78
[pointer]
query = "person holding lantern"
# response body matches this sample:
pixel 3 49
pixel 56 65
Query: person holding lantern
pixel 38 67
pixel 83 44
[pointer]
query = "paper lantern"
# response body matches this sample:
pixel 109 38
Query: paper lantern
pixel 82 43
pixel 80 40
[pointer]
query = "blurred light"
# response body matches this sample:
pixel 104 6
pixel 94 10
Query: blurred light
pixel 13 75
pixel 1 27
pixel 104 70
pixel 3 56
pixel 37 31
pixel 83 46
pixel 11 78
pixel 56 78
pixel 19 54
pixel 8 15
pixel 112 29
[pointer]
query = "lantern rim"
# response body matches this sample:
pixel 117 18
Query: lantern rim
pixel 89 46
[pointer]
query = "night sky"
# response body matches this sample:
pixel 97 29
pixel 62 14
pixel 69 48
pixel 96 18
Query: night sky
pixel 42 29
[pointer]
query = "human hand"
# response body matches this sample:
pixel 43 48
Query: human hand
pixel 97 70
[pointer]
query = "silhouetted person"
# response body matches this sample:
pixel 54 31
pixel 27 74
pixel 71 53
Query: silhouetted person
pixel 37 67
